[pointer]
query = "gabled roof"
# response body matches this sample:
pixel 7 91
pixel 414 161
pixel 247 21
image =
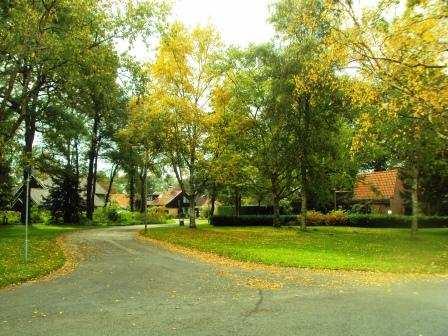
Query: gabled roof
pixel 377 185
pixel 167 197
pixel 121 199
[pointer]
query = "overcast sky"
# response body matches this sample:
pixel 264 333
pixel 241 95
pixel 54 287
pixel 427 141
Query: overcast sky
pixel 240 22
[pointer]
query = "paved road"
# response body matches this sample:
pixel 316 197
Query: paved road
pixel 125 287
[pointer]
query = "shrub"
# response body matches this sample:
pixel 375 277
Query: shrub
pixel 9 217
pixel 253 210
pixel 314 218
pixel 64 199
pixel 39 216
pixel 250 220
pixel 109 215
pixel 204 212
pixel 157 215
pixel 383 221
pixel 334 218
pixel 225 210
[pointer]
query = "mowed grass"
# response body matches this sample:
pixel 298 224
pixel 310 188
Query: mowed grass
pixel 385 250
pixel 44 253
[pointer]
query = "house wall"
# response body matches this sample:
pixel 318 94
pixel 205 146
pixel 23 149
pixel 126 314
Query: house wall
pixel 380 208
pixel 174 212
pixel 397 202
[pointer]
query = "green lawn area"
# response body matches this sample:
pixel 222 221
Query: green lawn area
pixel 44 254
pixel 386 250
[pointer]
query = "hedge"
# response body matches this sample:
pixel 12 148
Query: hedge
pixel 335 219
pixel 381 221
pixel 250 220
pixel 247 210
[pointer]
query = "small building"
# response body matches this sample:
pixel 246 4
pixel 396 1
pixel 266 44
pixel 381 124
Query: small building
pixel 380 191
pixel 173 201
pixel 40 190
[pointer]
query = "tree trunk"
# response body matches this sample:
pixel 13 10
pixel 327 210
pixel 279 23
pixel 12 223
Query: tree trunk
pixel 111 182
pixel 30 131
pixel 212 202
pixel 95 175
pixel 237 202
pixel 90 175
pixel 275 202
pixel 131 177
pixel 276 205
pixel 143 200
pixel 304 210
pixel 304 206
pixel 415 202
pixel 193 212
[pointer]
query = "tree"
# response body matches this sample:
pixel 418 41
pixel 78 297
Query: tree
pixel 184 77
pixel 403 58
pixel 319 105
pixel 142 134
pixel 64 200
pixel 50 47
pixel 259 88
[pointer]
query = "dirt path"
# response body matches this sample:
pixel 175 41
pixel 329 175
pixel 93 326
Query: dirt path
pixel 126 287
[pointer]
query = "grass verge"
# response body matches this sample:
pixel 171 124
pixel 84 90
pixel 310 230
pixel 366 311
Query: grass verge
pixel 45 255
pixel 384 250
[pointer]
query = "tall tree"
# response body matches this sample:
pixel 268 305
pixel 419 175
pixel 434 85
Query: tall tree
pixel 403 57
pixel 319 104
pixel 184 77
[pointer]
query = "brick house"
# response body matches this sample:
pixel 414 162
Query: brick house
pixel 382 191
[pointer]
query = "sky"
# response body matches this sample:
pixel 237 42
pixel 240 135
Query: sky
pixel 240 22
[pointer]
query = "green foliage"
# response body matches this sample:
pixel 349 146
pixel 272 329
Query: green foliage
pixel 381 221
pixel 40 215
pixel 6 186
pixel 64 200
pixel 250 220
pixel 334 218
pixel 204 212
pixel 341 218
pixel 157 215
pixel 9 217
pixel 112 215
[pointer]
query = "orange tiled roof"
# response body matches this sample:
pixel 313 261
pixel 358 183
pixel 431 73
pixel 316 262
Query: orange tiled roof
pixel 121 199
pixel 167 197
pixel 376 185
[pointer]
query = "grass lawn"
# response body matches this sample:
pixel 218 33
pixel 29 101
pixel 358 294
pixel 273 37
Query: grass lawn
pixel 386 250
pixel 44 254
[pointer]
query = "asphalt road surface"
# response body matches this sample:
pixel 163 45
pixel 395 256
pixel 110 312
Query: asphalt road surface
pixel 126 287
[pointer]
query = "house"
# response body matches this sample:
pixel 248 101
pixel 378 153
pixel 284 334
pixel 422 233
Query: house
pixel 40 190
pixel 381 191
pixel 121 200
pixel 174 202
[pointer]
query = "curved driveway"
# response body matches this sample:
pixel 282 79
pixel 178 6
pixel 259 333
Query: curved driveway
pixel 125 287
